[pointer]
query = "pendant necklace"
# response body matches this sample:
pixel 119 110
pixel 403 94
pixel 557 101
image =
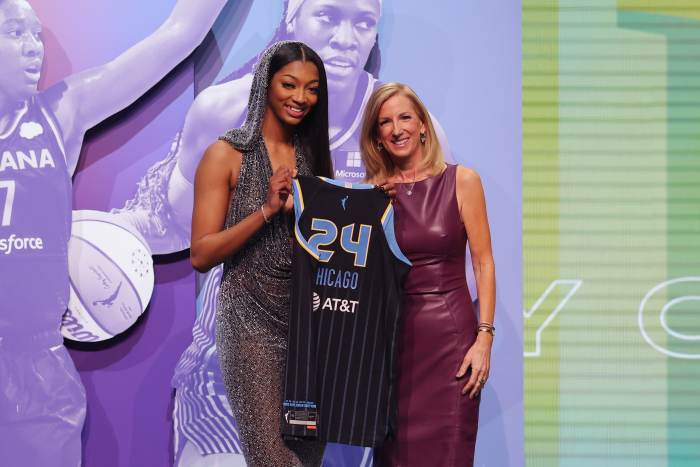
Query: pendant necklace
pixel 409 191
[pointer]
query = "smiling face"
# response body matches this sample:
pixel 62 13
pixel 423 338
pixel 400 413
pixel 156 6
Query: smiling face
pixel 21 50
pixel 399 128
pixel 341 32
pixel 293 91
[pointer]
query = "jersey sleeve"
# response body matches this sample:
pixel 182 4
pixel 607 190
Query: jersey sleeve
pixel 298 195
pixel 390 235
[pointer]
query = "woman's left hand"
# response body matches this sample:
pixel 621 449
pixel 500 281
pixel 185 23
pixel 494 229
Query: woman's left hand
pixel 479 359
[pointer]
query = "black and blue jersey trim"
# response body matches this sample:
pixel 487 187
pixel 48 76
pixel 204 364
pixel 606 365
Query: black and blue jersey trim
pixel 390 234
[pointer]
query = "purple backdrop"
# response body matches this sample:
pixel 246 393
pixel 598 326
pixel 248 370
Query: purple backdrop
pixel 473 50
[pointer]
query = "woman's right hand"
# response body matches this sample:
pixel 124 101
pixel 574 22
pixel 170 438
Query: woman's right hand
pixel 387 187
pixel 278 191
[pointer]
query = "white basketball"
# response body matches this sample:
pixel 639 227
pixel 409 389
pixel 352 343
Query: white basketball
pixel 111 277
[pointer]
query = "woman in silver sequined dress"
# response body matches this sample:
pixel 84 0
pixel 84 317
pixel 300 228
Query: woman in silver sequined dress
pixel 240 218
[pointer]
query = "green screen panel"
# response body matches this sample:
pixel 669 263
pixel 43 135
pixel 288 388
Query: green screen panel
pixel 611 157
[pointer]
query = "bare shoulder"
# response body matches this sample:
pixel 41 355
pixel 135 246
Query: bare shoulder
pixel 221 154
pixel 470 193
pixel 468 178
pixel 220 161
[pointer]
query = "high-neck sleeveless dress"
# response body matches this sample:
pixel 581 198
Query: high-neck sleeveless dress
pixel 252 320
pixel 436 423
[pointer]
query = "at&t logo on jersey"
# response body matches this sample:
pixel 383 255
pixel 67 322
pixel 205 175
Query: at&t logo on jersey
pixel 334 304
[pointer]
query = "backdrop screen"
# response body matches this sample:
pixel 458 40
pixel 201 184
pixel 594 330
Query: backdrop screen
pixel 611 217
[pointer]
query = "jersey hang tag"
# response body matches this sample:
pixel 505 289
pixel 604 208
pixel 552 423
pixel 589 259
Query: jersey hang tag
pixel 301 413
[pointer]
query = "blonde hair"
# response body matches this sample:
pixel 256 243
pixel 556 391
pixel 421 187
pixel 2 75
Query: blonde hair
pixel 378 163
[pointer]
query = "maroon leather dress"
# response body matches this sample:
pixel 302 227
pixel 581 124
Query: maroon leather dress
pixel 436 423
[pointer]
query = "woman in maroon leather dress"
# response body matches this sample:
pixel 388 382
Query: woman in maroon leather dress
pixel 444 350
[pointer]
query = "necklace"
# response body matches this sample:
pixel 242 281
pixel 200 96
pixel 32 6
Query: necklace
pixel 409 190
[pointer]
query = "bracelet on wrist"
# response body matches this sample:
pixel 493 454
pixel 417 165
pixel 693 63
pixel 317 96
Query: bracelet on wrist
pixel 262 209
pixel 487 327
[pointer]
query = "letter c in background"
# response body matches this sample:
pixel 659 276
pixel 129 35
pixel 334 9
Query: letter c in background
pixel 654 314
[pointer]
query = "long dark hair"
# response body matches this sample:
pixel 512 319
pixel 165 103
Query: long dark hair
pixel 313 129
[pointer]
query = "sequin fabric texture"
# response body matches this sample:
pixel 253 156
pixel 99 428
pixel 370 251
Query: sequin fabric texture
pixel 253 303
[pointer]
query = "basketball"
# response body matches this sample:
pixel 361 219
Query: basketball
pixel 111 277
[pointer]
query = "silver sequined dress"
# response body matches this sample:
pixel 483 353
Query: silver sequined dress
pixel 253 303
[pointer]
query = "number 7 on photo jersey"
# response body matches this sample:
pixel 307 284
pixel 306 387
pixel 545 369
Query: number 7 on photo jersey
pixel 7 207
